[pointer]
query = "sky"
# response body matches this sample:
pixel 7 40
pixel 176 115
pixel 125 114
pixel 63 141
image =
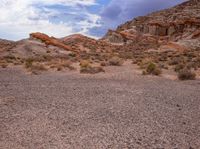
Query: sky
pixel 60 18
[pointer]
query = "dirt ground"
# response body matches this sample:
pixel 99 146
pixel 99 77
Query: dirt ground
pixel 117 109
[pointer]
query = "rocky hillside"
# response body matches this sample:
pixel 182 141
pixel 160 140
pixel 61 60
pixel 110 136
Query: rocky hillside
pixel 180 23
pixel 168 40
pixel 6 44
pixel 43 52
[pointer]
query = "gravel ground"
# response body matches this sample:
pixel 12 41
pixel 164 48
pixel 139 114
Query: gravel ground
pixel 118 109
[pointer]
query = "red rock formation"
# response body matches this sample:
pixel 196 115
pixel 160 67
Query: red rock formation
pixel 50 40
pixel 174 24
pixel 114 37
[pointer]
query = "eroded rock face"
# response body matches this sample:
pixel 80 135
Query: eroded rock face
pixel 158 30
pixel 174 24
pixel 114 37
pixel 170 28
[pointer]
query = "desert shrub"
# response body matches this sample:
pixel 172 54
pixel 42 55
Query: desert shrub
pixel 157 72
pixel 186 74
pixel 176 60
pixel 163 66
pixel 44 58
pixel 11 57
pixel 4 65
pixel 179 67
pixel 191 65
pixel 126 55
pixel 34 67
pixel 139 62
pixel 85 63
pixel 84 55
pixel 48 51
pixel 115 61
pixel 143 63
pixel 67 64
pixel 91 70
pixel 59 68
pixel 61 64
pixel 190 54
pixel 72 54
pixel 85 67
pixel 134 61
pixel 197 60
pixel 29 63
pixel 163 57
pixel 152 69
pixel 38 67
pixel 144 72
pixel 103 63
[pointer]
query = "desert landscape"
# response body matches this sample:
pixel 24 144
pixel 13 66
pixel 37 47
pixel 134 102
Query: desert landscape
pixel 136 87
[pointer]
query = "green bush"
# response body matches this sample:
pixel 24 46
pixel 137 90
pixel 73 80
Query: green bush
pixel 152 69
pixel 29 63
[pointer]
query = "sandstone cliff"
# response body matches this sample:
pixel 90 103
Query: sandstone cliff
pixel 179 23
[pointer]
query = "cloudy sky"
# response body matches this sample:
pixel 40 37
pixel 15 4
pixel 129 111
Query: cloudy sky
pixel 64 17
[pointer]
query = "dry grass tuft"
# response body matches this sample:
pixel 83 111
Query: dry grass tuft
pixel 61 64
pixel 115 61
pixel 186 74
pixel 91 70
pixel 85 63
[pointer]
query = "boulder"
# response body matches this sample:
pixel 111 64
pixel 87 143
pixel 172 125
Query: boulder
pixel 114 37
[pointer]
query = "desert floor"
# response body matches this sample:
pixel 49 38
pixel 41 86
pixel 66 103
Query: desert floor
pixel 117 109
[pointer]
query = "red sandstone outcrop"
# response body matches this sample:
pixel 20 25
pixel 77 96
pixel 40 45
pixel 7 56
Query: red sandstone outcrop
pixel 49 40
pixel 177 23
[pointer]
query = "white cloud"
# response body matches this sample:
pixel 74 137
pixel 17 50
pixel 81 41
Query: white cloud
pixel 20 17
